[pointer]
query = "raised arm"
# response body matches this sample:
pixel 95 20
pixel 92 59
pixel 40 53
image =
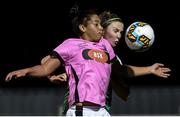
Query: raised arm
pixel 41 70
pixel 157 69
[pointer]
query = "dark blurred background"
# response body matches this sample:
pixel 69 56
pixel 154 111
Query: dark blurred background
pixel 31 30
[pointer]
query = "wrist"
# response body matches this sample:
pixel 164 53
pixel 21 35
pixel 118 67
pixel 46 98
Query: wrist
pixel 27 71
pixel 150 70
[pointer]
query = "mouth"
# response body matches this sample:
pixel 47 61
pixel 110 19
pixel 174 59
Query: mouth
pixel 116 42
pixel 100 33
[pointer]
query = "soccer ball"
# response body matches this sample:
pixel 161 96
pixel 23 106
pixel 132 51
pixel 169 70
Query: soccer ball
pixel 139 36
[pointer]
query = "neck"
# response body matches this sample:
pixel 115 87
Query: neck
pixel 85 37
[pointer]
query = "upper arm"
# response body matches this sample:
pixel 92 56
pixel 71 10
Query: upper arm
pixel 51 64
pixel 45 59
pixel 56 58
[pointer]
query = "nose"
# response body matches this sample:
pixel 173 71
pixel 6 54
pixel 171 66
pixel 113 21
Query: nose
pixel 119 35
pixel 100 27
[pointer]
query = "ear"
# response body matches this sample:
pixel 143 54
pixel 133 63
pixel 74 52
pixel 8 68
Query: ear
pixel 82 28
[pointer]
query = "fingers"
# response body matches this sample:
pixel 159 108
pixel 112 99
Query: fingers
pixel 10 76
pixel 61 77
pixel 165 75
pixel 164 72
pixel 52 78
pixel 160 64
pixel 165 69
pixel 161 71
pixel 15 74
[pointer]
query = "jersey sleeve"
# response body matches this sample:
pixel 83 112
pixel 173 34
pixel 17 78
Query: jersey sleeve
pixel 62 52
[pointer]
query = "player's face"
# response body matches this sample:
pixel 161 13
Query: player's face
pixel 93 28
pixel 113 32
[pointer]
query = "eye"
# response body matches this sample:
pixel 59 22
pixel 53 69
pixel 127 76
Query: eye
pixel 116 30
pixel 122 32
pixel 96 24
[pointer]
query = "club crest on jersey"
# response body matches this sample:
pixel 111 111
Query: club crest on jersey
pixel 97 55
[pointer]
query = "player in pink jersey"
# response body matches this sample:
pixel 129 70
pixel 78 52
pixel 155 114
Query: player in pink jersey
pixel 88 65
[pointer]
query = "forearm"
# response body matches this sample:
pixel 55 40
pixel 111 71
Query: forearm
pixel 38 71
pixel 138 71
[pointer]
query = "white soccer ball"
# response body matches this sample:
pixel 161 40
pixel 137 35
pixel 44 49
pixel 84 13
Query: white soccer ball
pixel 139 36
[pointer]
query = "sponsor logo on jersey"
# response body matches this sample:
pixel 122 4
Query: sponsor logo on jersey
pixel 97 55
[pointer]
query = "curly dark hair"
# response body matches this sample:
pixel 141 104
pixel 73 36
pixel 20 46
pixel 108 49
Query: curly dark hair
pixel 80 17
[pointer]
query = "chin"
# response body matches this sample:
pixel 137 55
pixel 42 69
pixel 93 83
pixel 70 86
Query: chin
pixel 113 45
pixel 96 40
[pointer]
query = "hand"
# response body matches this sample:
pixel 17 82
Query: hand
pixel 59 78
pixel 16 74
pixel 158 69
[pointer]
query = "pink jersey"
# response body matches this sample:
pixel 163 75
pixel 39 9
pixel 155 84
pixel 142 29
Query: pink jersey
pixel 91 62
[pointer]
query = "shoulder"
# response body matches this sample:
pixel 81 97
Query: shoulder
pixel 106 43
pixel 108 47
pixel 69 41
pixel 103 40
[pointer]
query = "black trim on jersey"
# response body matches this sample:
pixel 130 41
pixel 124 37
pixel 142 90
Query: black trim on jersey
pixel 54 54
pixel 76 89
pixel 109 61
pixel 79 109
pixel 113 60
